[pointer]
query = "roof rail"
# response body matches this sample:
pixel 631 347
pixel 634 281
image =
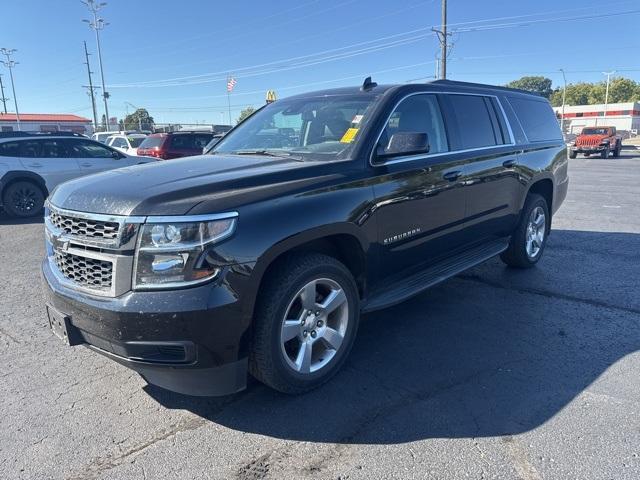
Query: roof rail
pixel 40 134
pixel 455 83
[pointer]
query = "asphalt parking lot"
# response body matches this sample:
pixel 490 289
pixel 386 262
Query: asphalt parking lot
pixel 494 374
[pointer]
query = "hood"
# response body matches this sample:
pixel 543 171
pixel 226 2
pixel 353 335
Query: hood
pixel 174 187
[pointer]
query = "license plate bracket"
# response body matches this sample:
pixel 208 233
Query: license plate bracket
pixel 62 328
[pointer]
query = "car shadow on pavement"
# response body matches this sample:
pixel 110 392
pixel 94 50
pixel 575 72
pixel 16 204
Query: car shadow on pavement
pixel 492 352
pixel 7 220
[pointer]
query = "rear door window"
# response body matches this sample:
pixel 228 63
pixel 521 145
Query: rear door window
pixel 537 119
pixel 476 122
pixel 30 149
pixel 9 149
pixel 190 142
pixel 54 148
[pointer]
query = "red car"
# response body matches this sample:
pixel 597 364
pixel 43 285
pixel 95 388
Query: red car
pixel 174 144
pixel 600 140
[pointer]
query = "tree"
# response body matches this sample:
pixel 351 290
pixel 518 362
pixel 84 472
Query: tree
pixel 139 120
pixel 539 85
pixel 583 93
pixel 245 113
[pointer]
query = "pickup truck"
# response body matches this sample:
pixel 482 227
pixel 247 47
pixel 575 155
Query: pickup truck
pixel 596 140
pixel 261 256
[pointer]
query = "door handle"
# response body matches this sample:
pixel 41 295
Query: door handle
pixel 35 165
pixel 86 164
pixel 452 176
pixel 509 163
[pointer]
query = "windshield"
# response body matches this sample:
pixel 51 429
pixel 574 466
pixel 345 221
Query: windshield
pixel 595 131
pixel 315 128
pixel 135 141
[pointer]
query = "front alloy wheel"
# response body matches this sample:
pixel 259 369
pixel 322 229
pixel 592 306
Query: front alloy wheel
pixel 314 326
pixel 305 323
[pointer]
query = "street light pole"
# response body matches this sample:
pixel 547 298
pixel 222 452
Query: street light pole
pixel 564 98
pixel 606 94
pixel 10 64
pixel 97 25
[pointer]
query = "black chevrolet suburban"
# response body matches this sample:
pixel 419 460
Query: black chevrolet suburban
pixel 260 257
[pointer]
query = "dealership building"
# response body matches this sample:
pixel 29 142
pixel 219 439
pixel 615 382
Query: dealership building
pixel 44 122
pixel 624 116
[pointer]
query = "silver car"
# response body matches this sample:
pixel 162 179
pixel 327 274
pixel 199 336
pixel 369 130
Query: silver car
pixel 33 164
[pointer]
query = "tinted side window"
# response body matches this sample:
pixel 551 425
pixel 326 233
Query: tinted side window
pixel 537 119
pixel 53 148
pixel 475 121
pixel 9 149
pixel 88 149
pixel 418 114
pixel 30 149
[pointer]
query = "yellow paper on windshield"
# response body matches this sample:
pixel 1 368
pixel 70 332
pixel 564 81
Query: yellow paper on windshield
pixel 349 135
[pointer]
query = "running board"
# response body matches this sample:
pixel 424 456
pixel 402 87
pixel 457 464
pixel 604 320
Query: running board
pixel 432 275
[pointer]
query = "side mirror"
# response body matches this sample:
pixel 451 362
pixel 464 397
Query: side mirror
pixel 116 155
pixel 405 143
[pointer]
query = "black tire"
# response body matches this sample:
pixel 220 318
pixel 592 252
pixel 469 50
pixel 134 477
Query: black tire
pixel 23 199
pixel 605 153
pixel 573 154
pixel 516 254
pixel 616 151
pixel 267 361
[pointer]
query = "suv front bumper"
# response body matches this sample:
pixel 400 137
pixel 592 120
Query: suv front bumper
pixel 189 341
pixel 588 149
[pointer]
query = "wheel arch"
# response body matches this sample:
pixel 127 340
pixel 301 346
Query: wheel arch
pixel 342 241
pixel 543 187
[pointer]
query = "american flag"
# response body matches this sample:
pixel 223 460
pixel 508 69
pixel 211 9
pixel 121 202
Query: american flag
pixel 231 82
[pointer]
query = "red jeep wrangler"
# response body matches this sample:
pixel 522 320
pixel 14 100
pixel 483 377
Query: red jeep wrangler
pixel 602 140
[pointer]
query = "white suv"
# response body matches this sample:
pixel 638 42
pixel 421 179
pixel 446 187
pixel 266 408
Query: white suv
pixel 126 143
pixel 32 164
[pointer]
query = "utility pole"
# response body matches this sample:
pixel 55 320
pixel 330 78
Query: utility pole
pixel 3 98
pixel 10 64
pixel 91 89
pixel 98 24
pixel 443 37
pixel 564 97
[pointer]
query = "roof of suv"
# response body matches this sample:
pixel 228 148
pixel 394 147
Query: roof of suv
pixel 450 85
pixel 12 135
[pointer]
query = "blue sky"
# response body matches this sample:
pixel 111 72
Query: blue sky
pixel 173 57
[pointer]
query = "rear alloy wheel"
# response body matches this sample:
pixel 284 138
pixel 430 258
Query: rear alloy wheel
pixel 305 323
pixel 23 199
pixel 530 237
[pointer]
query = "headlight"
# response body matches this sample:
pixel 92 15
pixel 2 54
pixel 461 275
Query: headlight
pixel 172 252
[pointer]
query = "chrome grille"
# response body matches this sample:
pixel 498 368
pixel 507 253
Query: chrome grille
pixel 84 227
pixel 87 272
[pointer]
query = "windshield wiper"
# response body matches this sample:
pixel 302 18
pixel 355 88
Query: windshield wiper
pixel 268 153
